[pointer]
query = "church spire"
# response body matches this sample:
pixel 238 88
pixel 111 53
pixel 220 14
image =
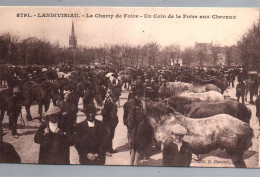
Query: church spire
pixel 72 38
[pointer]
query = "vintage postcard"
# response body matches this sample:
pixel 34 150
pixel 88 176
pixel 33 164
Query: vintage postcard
pixel 130 86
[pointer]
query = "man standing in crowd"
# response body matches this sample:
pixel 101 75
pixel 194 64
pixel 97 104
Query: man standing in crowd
pixel 240 91
pixel 55 138
pixel 253 90
pixel 90 139
pixel 137 127
pixel 110 120
pixel 14 107
pixel 257 104
pixel 177 152
pixel 7 152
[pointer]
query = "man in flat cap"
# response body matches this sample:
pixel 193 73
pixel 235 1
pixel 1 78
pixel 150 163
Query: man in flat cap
pixel 177 152
pixel 90 138
pixel 55 138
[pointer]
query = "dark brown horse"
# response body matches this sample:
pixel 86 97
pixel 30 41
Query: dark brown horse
pixel 205 135
pixel 39 93
pixel 4 97
pixel 195 108
pixel 197 80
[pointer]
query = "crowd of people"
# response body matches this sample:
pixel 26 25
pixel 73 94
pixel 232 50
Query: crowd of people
pixel 100 88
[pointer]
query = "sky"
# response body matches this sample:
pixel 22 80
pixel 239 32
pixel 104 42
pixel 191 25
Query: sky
pixel 93 32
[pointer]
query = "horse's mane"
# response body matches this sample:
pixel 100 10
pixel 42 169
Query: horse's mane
pixel 157 109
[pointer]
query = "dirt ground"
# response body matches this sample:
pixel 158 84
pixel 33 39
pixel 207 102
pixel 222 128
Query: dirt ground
pixel 29 151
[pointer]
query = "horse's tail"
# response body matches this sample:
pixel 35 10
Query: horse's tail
pixel 246 140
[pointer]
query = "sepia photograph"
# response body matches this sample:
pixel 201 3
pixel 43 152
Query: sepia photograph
pixel 132 86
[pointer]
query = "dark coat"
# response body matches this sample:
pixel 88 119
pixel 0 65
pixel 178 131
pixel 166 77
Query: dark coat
pixel 8 154
pixel 140 133
pixel 54 147
pixel 109 114
pixel 240 89
pixel 173 157
pixel 90 140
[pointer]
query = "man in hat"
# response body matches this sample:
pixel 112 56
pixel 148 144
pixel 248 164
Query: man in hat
pixel 240 91
pixel 90 138
pixel 110 119
pixel 14 107
pixel 257 104
pixel 69 107
pixel 177 152
pixel 55 138
pixel 8 153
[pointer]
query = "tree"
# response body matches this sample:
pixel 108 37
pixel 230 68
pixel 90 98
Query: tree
pixel 187 56
pixel 250 48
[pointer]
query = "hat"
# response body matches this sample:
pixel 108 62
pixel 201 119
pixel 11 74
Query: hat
pixel 52 111
pixel 178 130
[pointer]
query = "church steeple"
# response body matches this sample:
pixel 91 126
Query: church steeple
pixel 72 38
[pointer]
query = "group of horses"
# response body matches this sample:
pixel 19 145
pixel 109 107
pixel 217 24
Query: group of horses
pixel 212 121
pixel 42 92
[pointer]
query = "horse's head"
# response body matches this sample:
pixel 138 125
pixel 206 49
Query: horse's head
pixel 177 102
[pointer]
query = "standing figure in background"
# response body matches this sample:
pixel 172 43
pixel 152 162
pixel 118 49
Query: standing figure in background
pixel 257 104
pixel 110 119
pixel 139 132
pixel 253 90
pixel 240 91
pixel 116 88
pixel 14 107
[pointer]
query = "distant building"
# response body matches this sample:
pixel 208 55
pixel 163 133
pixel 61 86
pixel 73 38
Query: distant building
pixel 176 62
pixel 204 54
pixel 210 55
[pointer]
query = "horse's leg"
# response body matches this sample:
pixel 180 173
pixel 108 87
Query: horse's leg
pixel 54 101
pixel 47 103
pixel 127 85
pixel 237 158
pixel 28 113
pixel 132 156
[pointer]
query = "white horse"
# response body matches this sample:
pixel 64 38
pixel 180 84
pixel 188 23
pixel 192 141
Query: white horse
pixel 210 96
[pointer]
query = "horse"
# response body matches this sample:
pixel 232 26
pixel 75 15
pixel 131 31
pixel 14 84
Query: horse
pixel 52 75
pixel 4 96
pixel 215 82
pixel 176 88
pixel 204 135
pixel 195 108
pixel 34 92
pixel 210 96
pixel 126 80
